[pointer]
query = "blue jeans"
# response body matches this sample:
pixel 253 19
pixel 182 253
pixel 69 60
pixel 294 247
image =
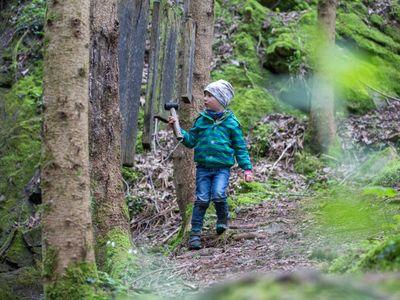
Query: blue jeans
pixel 211 185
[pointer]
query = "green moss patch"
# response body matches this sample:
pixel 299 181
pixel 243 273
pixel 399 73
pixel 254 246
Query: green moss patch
pixel 78 282
pixel 113 254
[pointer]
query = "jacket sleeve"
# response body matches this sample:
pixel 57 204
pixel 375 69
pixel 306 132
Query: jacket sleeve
pixel 190 137
pixel 240 147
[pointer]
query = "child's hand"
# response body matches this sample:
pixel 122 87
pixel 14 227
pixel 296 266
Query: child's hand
pixel 248 175
pixel 171 121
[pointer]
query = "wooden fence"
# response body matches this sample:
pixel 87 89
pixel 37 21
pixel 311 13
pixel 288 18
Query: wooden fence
pixel 172 44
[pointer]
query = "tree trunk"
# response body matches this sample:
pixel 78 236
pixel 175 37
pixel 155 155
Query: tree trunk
pixel 184 169
pixel 323 127
pixel 67 226
pixel 110 221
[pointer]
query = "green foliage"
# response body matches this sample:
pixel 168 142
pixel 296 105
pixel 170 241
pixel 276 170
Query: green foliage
pixel 129 174
pixel 379 191
pixel 307 164
pixel 381 168
pixel 49 262
pixel 389 175
pixel 20 145
pixel 135 204
pixel 384 257
pixel 260 137
pixel 299 286
pixel 32 16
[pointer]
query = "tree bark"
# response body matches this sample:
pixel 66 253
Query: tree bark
pixel 184 168
pixel 323 127
pixel 105 139
pixel 67 226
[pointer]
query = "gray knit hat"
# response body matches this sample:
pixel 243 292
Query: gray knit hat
pixel 222 90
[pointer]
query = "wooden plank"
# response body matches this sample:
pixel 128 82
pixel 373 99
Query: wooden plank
pixel 151 93
pixel 188 60
pixel 133 18
pixel 169 75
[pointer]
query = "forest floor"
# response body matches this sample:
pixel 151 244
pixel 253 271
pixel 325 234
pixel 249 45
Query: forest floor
pixel 265 235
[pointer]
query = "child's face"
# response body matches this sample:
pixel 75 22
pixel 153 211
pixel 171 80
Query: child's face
pixel 211 103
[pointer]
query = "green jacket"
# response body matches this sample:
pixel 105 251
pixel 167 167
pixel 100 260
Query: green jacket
pixel 217 143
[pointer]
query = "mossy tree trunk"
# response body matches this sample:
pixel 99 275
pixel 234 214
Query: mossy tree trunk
pixel 67 225
pixel 111 221
pixel 323 127
pixel 184 169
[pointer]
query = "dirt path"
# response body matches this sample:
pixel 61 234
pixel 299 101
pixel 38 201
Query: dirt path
pixel 263 238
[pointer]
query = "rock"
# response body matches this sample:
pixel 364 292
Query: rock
pixel 32 190
pixel 33 237
pixel 17 252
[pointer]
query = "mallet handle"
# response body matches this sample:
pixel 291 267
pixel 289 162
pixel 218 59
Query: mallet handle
pixel 177 127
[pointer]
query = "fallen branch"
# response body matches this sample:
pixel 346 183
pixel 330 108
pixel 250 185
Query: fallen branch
pixel 170 235
pixel 380 92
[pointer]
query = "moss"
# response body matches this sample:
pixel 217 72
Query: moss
pixel 113 253
pixel 183 232
pixel 376 20
pixel 389 175
pixel 350 212
pixel 79 281
pixel 247 99
pixel 260 137
pixel 49 262
pixel 380 192
pixel 30 277
pixel 307 164
pixel 300 286
pixel 385 256
pixel 378 167
pixel 250 193
pixel 18 252
pixel 6 292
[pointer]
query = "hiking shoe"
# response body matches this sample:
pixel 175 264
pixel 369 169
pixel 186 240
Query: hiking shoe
pixel 220 228
pixel 194 242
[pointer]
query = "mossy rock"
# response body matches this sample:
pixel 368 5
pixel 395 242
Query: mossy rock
pixel 23 283
pixel 17 252
pixel 33 236
pixel 287 5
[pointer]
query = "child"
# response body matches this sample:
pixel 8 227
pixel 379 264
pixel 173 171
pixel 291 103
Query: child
pixel 217 140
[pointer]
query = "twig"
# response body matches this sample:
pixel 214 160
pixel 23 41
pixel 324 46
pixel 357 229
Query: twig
pixel 127 187
pixel 170 235
pixel 280 157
